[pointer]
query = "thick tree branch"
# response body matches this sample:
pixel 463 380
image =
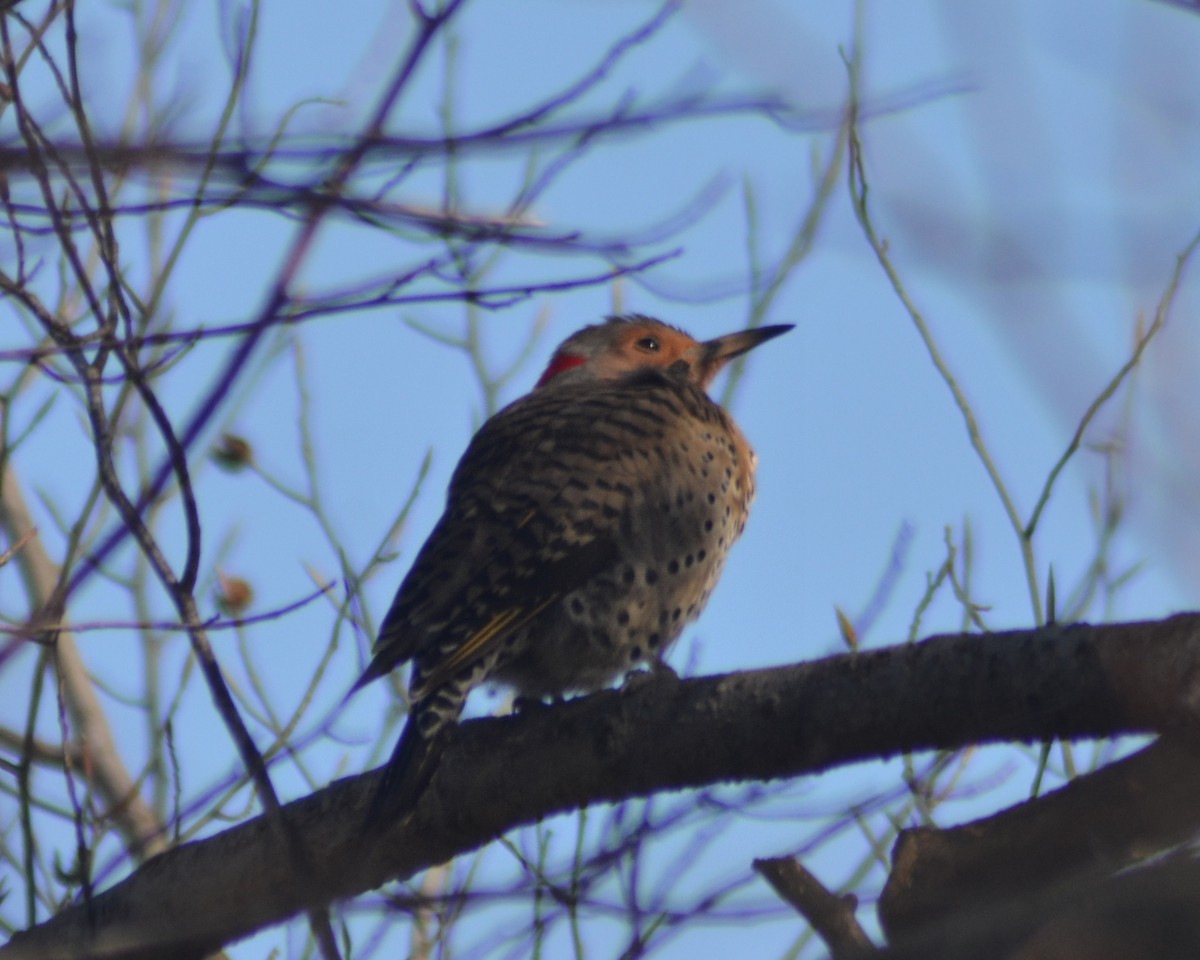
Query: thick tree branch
pixel 1151 913
pixel 1075 681
pixel 1082 833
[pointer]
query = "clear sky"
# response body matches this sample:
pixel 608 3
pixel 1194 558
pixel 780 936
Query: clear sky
pixel 1035 167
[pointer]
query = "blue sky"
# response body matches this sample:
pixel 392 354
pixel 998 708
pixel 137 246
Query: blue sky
pixel 1034 194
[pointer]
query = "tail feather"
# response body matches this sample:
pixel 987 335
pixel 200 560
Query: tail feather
pixel 406 775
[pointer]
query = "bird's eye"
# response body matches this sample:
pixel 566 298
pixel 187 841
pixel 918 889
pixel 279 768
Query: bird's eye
pixel 649 344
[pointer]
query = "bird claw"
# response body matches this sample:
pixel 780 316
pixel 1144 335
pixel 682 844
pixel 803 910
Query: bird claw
pixel 522 705
pixel 659 671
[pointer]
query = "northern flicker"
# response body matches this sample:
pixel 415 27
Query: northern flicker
pixel 585 526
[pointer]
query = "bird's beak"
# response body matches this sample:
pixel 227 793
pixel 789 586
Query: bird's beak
pixel 715 353
pixel 724 349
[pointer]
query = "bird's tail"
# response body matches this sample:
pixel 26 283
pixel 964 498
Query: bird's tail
pixel 407 773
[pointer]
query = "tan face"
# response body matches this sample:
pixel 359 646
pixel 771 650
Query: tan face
pixel 612 350
pixel 636 346
pixel 615 349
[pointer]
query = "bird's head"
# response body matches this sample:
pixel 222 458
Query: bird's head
pixel 627 345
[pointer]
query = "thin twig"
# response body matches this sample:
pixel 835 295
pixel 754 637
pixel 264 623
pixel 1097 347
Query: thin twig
pixel 832 916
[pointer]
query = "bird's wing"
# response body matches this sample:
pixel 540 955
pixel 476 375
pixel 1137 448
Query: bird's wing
pixel 534 511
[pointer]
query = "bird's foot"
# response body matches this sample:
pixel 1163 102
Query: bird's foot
pixel 533 704
pixel 658 672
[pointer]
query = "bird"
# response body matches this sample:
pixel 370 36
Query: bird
pixel 585 526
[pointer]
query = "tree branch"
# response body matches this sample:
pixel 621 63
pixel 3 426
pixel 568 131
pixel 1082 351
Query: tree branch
pixel 949 691
pixel 832 916
pixel 141 828
pixel 1076 836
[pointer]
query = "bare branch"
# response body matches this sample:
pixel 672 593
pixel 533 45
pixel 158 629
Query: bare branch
pixel 142 830
pixel 1095 825
pixel 1078 681
pixel 830 915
